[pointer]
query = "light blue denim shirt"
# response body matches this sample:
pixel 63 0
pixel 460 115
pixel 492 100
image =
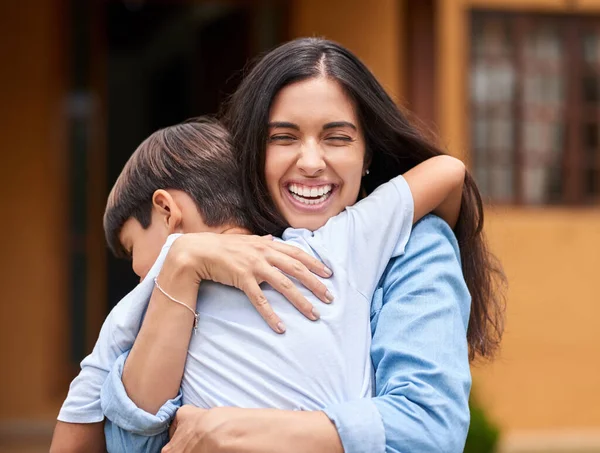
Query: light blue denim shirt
pixel 419 318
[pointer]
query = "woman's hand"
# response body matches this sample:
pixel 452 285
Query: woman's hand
pixel 246 261
pixel 235 430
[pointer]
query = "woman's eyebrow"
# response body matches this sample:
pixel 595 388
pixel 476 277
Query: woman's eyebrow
pixel 283 124
pixel 338 124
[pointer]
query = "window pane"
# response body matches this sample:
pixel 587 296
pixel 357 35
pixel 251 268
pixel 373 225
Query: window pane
pixel 535 98
pixel 543 107
pixel 591 114
pixel 492 99
pixel 590 89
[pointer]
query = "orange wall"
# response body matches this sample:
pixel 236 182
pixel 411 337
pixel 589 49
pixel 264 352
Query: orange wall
pixel 368 28
pixel 546 378
pixel 547 375
pixel 33 263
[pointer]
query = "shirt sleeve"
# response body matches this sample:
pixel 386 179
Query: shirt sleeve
pixel 119 440
pixel 117 335
pixel 82 404
pixel 419 324
pixel 128 422
pixel 364 237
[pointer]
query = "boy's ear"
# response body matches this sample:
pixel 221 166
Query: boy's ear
pixel 168 209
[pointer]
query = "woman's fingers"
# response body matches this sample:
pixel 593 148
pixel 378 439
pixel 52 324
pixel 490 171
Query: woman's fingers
pixel 260 302
pixel 183 440
pixel 310 262
pixel 246 261
pixel 282 284
pixel 298 270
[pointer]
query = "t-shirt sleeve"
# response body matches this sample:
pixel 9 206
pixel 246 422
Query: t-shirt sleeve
pixel 82 404
pixel 364 237
pixel 117 335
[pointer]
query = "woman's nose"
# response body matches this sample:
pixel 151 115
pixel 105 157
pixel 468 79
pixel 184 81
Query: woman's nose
pixel 311 162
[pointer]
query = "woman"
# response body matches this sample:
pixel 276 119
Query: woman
pixel 293 114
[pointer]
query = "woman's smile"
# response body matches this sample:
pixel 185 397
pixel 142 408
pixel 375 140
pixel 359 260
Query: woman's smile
pixel 309 196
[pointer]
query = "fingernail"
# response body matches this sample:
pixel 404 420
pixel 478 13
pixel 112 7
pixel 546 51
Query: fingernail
pixel 281 327
pixel 327 271
pixel 316 314
pixel 329 296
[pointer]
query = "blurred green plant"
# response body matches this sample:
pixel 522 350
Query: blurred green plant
pixel 483 434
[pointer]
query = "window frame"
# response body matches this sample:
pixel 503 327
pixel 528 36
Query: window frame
pixel 573 165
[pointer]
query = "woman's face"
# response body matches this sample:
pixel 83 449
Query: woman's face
pixel 315 155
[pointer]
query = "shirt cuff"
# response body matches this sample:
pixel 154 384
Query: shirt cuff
pixel 359 426
pixel 123 412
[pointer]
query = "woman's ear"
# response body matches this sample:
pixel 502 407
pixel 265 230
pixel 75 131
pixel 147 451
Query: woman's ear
pixel 168 210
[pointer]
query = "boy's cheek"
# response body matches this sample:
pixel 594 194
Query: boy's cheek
pixel 141 267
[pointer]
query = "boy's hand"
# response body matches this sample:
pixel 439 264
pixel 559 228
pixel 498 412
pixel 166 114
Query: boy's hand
pixel 245 262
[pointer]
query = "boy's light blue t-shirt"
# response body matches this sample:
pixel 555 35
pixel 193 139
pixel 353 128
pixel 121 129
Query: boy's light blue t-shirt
pixel 235 359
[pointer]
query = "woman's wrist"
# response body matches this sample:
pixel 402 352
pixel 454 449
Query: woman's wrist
pixel 179 275
pixel 290 431
pixel 185 261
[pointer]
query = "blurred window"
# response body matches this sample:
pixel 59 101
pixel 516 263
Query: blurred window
pixel 535 107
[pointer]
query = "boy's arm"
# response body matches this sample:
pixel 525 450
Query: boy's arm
pixel 78 438
pixel 436 186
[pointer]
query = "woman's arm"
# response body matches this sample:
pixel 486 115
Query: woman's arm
pixel 229 430
pixel 154 368
pixel 420 353
pixel 436 186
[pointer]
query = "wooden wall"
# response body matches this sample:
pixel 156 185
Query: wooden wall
pixel 33 266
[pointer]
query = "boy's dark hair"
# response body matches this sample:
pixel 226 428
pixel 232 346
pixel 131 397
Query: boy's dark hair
pixel 195 157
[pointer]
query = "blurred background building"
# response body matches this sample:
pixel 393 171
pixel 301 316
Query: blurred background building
pixel 511 86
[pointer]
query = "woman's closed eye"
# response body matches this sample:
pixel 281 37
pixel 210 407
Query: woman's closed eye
pixel 339 140
pixel 282 139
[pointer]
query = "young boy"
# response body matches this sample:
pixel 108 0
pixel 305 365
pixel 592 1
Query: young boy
pixel 234 359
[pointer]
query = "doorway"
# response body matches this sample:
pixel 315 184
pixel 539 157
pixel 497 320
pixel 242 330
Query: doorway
pixel 168 61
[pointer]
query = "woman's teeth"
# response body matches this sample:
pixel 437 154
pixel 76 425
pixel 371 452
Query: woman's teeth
pixel 321 199
pixel 305 191
pixel 310 195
